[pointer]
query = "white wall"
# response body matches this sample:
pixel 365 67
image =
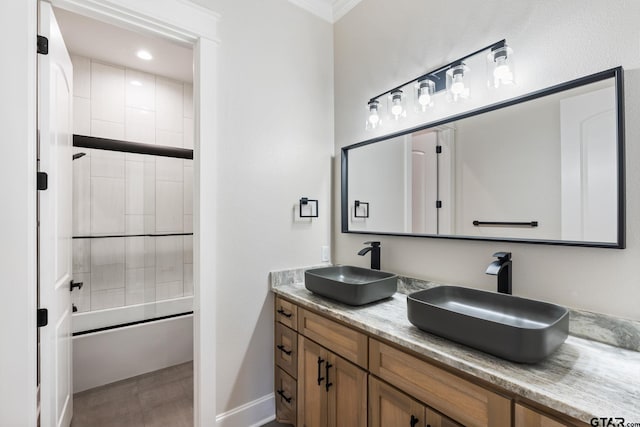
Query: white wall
pixel 276 118
pixel 380 44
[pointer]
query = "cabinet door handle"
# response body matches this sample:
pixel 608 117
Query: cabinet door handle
pixel 282 349
pixel 327 383
pixel 320 362
pixel 281 393
pixel 413 421
pixel 284 313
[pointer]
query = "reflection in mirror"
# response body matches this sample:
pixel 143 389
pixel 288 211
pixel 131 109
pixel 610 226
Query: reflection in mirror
pixel 543 168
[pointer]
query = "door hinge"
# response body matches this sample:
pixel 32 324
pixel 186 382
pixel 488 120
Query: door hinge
pixel 438 149
pixel 438 204
pixel 43 45
pixel 43 317
pixel 43 181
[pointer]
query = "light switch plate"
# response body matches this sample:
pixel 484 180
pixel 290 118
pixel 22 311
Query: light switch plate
pixel 324 254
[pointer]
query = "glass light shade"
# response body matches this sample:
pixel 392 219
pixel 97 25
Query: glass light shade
pixel 424 90
pixel 456 86
pixel 500 67
pixel 373 115
pixel 396 102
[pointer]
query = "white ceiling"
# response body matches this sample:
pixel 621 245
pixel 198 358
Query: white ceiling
pixel 329 10
pixel 105 42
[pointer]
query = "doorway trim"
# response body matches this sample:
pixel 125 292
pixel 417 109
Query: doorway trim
pixel 177 20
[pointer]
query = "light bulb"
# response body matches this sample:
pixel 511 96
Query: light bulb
pixel 397 109
pixel 373 120
pixel 502 73
pixel 424 99
pixel 457 87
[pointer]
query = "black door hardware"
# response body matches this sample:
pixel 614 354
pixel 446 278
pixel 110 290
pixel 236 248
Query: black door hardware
pixel 284 313
pixel 282 349
pixel 413 421
pixel 42 181
pixel 281 393
pixel 73 308
pixel 328 384
pixel 43 317
pixel 73 284
pixel 320 362
pixel 43 45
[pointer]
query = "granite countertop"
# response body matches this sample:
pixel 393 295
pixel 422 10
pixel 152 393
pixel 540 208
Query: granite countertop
pixel 583 378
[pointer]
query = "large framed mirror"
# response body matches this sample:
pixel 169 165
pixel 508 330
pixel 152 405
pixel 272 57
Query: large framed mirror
pixel 546 167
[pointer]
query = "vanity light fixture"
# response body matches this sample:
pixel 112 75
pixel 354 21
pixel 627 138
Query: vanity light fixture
pixel 424 90
pixel 455 81
pixel 396 104
pixel 450 77
pixel 373 119
pixel 500 66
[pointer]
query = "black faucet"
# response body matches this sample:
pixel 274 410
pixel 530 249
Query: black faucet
pixel 375 254
pixel 502 268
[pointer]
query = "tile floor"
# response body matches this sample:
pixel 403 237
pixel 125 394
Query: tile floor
pixel 157 399
pixel 162 398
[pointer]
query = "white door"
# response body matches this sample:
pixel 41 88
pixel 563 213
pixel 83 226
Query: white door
pixel 55 128
pixel 588 157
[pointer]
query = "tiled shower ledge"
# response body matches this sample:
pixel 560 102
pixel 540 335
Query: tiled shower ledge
pixel 583 378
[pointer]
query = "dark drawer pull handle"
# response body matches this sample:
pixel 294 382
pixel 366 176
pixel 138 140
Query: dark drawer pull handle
pixel 320 362
pixel 414 421
pixel 328 384
pixel 281 393
pixel 282 349
pixel 284 313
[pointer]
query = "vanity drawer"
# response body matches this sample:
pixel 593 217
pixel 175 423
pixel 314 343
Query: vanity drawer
pixel 342 340
pixel 287 349
pixel 461 400
pixel 286 397
pixel 286 313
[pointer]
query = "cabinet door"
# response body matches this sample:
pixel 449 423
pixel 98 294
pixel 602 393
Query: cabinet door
pixel 390 407
pixel 526 417
pixel 312 394
pixel 435 419
pixel 346 385
pixel 286 400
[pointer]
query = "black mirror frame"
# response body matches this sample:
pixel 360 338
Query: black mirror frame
pixel 615 73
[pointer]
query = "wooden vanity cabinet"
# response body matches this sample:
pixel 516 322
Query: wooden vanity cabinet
pixel 322 380
pixel 332 392
pixel 527 417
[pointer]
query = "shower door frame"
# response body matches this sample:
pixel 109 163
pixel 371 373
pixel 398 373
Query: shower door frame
pixel 177 20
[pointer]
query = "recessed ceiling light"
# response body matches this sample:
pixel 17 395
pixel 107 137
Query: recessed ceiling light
pixel 136 83
pixel 143 54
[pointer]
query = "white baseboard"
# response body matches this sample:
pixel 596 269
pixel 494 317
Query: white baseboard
pixel 252 414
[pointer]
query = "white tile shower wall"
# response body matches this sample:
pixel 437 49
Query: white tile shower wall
pixel 116 193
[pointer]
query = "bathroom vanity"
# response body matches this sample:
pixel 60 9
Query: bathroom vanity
pixel 337 365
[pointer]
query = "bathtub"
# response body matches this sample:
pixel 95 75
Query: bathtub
pixel 119 343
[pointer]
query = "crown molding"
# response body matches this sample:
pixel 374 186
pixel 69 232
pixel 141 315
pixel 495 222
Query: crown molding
pixel 329 10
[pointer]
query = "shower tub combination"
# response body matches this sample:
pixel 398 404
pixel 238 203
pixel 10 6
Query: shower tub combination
pixel 133 255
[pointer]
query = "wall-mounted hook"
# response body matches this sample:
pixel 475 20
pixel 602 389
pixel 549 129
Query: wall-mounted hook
pixel 312 212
